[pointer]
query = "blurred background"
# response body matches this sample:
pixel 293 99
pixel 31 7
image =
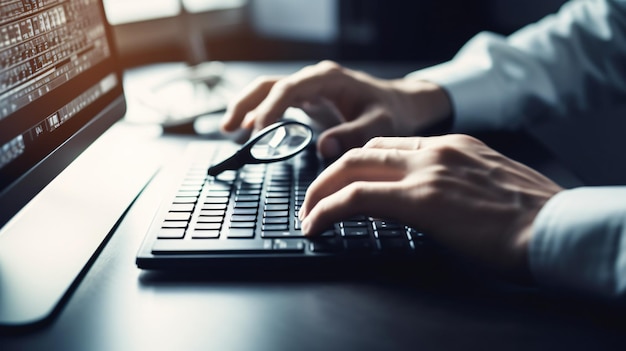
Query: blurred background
pixel 403 33
pixel 149 31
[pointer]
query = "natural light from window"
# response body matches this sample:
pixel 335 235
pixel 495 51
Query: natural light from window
pixel 127 11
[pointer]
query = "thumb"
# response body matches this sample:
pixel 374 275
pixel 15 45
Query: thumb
pixel 337 140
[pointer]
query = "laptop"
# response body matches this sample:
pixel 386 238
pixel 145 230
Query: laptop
pixel 65 182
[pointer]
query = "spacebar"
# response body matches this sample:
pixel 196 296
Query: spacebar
pixel 213 246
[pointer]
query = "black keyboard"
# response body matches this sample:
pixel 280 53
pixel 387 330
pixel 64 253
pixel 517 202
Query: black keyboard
pixel 251 215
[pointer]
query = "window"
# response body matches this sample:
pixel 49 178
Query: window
pixel 124 11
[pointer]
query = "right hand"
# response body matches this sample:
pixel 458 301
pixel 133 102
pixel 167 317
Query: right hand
pixel 464 194
pixel 353 105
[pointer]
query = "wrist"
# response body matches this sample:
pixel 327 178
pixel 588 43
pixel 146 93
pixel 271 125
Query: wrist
pixel 428 104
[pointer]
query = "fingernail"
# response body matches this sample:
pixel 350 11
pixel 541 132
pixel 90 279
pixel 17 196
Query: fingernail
pixel 248 120
pixel 224 125
pixel 330 148
pixel 305 227
pixel 301 214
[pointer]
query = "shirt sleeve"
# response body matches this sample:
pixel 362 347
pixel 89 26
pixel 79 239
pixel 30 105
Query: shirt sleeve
pixel 568 62
pixel 579 242
pixel 564 65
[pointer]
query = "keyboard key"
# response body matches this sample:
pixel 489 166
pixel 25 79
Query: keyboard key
pixel 249 192
pixel 282 234
pixel 288 245
pixel 272 227
pixel 277 194
pixel 188 193
pixel 241 233
pixel 242 225
pixel 355 224
pixel 214 246
pixel 280 207
pixel 193 188
pixel 178 216
pixel 185 200
pixel 218 193
pixel 210 219
pixel 328 233
pixel 273 201
pixel 208 226
pixel 382 225
pixel 359 246
pixel 268 214
pixel 247 198
pixel 171 233
pixel 276 220
pixel 216 213
pixel 247 186
pixel 278 188
pixel 394 245
pixel 214 207
pixel 219 187
pixel 174 224
pixel 244 211
pixel 188 207
pixel 205 234
pixel 415 235
pixel 216 200
pixel 391 233
pixel 326 245
pixel 355 232
pixel 247 204
pixel 243 218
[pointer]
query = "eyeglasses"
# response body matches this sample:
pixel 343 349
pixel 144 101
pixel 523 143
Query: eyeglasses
pixel 277 142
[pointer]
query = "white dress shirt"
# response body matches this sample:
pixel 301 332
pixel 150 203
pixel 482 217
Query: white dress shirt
pixel 570 62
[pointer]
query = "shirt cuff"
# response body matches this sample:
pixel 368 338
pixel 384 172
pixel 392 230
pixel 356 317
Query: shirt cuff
pixel 579 241
pixel 480 90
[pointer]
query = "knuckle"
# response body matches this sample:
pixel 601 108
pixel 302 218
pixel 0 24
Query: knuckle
pixel 383 118
pixel 432 188
pixel 375 142
pixel 354 193
pixel 329 65
pixel 283 86
pixel 441 154
pixel 351 158
pixel 392 158
pixel 263 81
pixel 463 139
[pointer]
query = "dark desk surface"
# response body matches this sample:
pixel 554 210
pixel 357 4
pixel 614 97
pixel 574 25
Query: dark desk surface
pixel 116 306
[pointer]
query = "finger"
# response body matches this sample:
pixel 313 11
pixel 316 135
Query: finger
pixel 322 111
pixel 322 80
pixel 247 101
pixel 355 133
pixel 401 143
pixel 378 199
pixel 409 143
pixel 373 165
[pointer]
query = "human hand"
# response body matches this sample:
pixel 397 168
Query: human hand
pixel 353 105
pixel 460 192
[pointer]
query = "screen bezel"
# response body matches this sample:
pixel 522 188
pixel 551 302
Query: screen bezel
pixel 23 180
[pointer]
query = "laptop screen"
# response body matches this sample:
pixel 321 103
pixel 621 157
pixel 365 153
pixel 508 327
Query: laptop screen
pixel 56 73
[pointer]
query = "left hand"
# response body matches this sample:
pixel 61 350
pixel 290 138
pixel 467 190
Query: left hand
pixel 454 188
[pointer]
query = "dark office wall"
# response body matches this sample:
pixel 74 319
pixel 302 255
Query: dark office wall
pixel 391 30
pixel 429 29
pixel 408 30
